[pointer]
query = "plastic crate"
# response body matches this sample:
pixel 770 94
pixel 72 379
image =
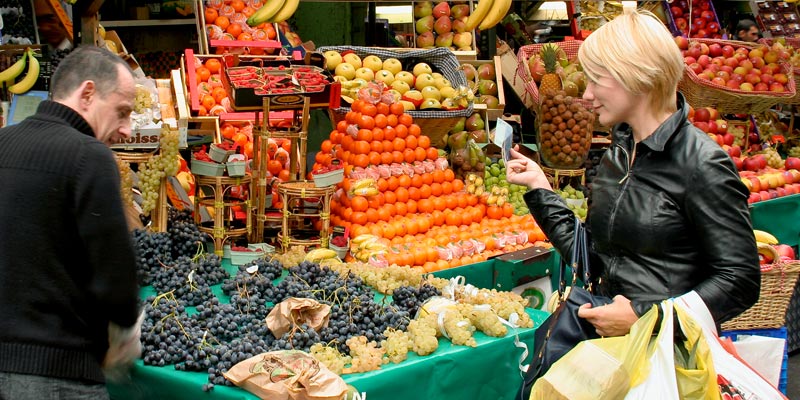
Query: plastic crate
pixel 779 333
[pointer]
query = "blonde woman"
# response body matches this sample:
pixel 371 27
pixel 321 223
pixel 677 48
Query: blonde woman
pixel 668 214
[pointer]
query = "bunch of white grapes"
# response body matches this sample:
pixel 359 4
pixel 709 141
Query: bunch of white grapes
pixel 774 159
pixel 143 100
pixel 484 319
pixel 330 357
pixel 367 356
pixel 160 166
pixel 458 327
pixel 383 279
pixel 397 345
pixel 126 181
pixel 423 334
pixel 794 151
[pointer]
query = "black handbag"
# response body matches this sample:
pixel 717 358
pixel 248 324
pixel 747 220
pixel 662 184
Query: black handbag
pixel 563 329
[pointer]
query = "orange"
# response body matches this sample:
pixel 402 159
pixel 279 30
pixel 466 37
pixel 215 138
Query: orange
pixel 361 160
pixel 382 185
pixel 414 130
pixel 383 109
pixel 369 109
pixel 248 11
pixel 393 182
pixel 391 120
pixel 202 74
pixel 234 29
pixel 494 212
pixel 238 5
pixel 438 176
pixel 222 22
pixel 401 210
pixel 397 156
pixel 452 219
pixel 413 193
pixel 447 188
pixel 389 133
pixel 245 37
pixel 381 121
pixel 424 141
pixel 439 203
pixel 372 215
pixel 399 144
pixel 367 122
pixel 397 108
pixel 405 181
pixel 416 181
pixel 386 157
pixel 424 191
pixel 401 131
pixel 364 134
pixel 208 101
pixel 432 153
pixel 211 15
pixel 377 133
pixel 420 154
pixel 219 93
pixel 374 158
pixel 449 175
pixel 411 142
pixel 436 189
pixel 389 196
pixel 228 131
pixel 425 205
pixel 402 194
pixel 409 155
pixel 213 65
pixel 452 202
pixel 359 218
pixel 405 119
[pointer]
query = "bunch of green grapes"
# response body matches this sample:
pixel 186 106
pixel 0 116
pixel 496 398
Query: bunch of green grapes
pixel 143 100
pixel 160 166
pixel 397 345
pixel 383 279
pixel 330 357
pixel 504 304
pixel 126 181
pixel 367 356
pixel 422 333
pixel 484 319
pixel 774 159
pixel 458 328
pixel 794 151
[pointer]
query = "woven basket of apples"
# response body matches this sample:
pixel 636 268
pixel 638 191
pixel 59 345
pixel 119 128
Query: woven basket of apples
pixel 735 77
pixel 792 47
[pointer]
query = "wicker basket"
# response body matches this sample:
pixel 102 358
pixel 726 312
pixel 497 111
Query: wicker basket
pixel 794 42
pixel 702 93
pixel 777 286
pixel 570 48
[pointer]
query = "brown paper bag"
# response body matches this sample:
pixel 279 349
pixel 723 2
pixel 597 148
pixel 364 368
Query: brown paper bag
pixel 296 311
pixel 288 374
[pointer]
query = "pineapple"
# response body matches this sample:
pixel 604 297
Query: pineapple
pixel 551 82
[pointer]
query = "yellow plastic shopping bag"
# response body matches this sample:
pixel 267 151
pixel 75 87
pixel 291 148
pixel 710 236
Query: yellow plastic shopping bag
pixel 598 369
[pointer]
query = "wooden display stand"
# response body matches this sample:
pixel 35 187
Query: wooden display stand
pixel 221 231
pixel 554 176
pixel 158 215
pixel 294 195
pixel 297 134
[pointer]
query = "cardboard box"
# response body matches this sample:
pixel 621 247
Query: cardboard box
pixel 509 65
pixel 148 136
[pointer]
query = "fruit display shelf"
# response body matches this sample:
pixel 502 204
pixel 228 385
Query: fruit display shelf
pixel 491 71
pixel 489 370
pixel 444 25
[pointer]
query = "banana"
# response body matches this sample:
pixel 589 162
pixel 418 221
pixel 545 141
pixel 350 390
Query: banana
pixel 318 255
pixel 768 252
pixel 362 238
pixel 15 69
pixel 30 78
pixel 363 183
pixel 288 9
pixel 266 12
pixel 497 13
pixel 765 237
pixel 479 13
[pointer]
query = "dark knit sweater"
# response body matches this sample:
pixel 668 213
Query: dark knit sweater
pixel 66 259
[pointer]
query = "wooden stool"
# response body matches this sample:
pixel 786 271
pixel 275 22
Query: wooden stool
pixel 296 192
pixel 221 186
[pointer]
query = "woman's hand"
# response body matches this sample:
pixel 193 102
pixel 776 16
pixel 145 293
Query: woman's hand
pixel 613 319
pixel 523 171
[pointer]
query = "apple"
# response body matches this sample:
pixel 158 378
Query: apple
pixel 405 76
pixel 788 178
pixel 754 197
pixel 714 50
pixel 407 105
pixel 426 40
pixel 430 104
pixel 332 59
pixel 424 80
pixel 697 68
pixel 755 184
pixel 737 161
pixel 701 114
pixel 353 59
pixel 781 78
pixel 734 151
pixel 392 65
pixel 372 62
pixel 746 87
pixel 365 74
pixel 727 51
pixel 431 92
pixel 400 86
pixel 676 11
pixel 441 82
pixel 732 62
pixel 719 81
pixel 728 139
pixel 703 126
pixel 777 87
pixel 704 60
pixel 447 91
pixel 792 163
pixel 682 42
pixel 414 97
pixel 761 87
pixel 681 23
pixel 422 68
pixel 345 70
pixel 785 251
pixel 385 77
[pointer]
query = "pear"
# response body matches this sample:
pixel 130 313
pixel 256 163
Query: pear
pixel 423 9
pixel 487 87
pixel 486 71
pixel 474 122
pixel 490 101
pixel 459 126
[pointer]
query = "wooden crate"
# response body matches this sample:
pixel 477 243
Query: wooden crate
pixel 492 113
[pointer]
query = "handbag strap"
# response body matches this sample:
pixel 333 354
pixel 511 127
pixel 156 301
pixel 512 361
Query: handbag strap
pixel 579 260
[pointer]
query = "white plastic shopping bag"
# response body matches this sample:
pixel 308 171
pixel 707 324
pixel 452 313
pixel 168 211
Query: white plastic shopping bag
pixel 764 354
pixel 733 374
pixel 655 379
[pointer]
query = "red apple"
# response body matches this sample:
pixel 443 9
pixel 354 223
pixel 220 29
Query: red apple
pixel 754 198
pixel 777 87
pixel 761 87
pixel 785 250
pixel 727 51
pixel 696 68
pixel 781 191
pixel 728 139
pixel 722 126
pixel 719 81
pixel 703 126
pixel 703 48
pixel 689 60
pixel 764 195
pixel 713 27
pixel 676 11
pixel 755 184
pixel 702 114
pixel 733 83
pixel 746 87
pixel 781 78
pixel 733 150
pixel 792 163
pixel 681 24
pixel 737 161
pixel 682 42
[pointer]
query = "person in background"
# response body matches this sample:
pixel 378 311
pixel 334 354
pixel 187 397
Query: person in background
pixel 67 271
pixel 668 214
pixel 747 31
pixel 49 27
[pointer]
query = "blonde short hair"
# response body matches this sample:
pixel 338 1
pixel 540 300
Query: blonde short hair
pixel 638 51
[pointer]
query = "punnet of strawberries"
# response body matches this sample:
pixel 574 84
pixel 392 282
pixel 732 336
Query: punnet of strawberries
pixel 202 155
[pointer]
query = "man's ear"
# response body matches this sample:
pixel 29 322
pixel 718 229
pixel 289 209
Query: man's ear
pixel 87 93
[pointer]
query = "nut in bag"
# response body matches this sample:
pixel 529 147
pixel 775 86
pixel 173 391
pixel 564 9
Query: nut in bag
pixel 287 374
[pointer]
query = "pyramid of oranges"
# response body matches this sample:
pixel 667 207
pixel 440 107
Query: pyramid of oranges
pixel 420 209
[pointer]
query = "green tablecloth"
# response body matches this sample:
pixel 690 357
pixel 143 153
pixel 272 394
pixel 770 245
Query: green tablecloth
pixel 488 371
pixel 780 217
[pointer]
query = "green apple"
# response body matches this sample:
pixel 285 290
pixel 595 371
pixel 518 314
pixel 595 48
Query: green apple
pixel 372 62
pixel 392 65
pixel 406 77
pixel 395 94
pixel 400 86
pixel 447 92
pixel 384 76
pixel 422 68
pixel 345 70
pixel 440 82
pixel 423 80
pixel 437 75
pixel 431 92
pixel 407 105
pixel 353 59
pixel 332 59
pixel 430 104
pixel 413 97
pixel 365 74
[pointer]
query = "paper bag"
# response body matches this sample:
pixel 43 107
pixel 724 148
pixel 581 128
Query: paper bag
pixel 284 375
pixel 297 311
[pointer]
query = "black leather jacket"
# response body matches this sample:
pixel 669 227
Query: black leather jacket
pixel 675 220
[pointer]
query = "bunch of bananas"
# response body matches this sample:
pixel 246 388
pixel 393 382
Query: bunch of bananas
pixel 364 187
pixel 363 247
pixel 475 184
pixel 765 241
pixel 9 75
pixel 487 14
pixel 273 11
pixel 320 255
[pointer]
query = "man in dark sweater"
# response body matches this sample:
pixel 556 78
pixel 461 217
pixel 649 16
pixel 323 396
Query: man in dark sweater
pixel 67 271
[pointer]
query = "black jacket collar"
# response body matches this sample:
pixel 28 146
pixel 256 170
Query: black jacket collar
pixel 55 110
